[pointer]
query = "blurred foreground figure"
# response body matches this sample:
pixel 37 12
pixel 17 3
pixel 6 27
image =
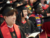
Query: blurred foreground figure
pixel 9 28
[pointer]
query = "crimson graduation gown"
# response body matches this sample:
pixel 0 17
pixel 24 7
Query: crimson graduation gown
pixel 15 32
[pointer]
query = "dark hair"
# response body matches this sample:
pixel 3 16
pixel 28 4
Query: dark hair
pixel 19 20
pixel 11 12
pixel 45 2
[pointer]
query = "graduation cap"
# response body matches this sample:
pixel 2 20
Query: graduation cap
pixel 5 8
pixel 36 5
pixel 8 11
pixel 2 5
pixel 20 8
pixel 15 3
pixel 1 0
pixel 5 4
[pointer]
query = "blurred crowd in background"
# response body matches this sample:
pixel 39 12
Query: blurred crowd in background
pixel 30 15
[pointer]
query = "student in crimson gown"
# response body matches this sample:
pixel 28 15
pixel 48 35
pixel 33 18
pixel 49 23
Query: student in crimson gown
pixel 27 25
pixel 45 7
pixel 9 28
pixel 46 28
pixel 36 17
pixel 48 10
pixel 46 25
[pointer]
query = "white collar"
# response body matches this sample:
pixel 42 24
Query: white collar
pixel 9 26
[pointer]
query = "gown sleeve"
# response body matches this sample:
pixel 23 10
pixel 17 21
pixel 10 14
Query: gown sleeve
pixel 33 20
pixel 33 28
pixel 1 34
pixel 22 33
pixel 44 13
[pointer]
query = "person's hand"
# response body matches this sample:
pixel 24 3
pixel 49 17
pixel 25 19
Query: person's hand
pixel 18 5
pixel 21 4
pixel 26 35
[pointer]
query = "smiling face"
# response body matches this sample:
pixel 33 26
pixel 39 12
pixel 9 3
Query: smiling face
pixel 39 9
pixel 10 19
pixel 24 13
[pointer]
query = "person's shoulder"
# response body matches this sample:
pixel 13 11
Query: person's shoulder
pixel 32 15
pixel 17 26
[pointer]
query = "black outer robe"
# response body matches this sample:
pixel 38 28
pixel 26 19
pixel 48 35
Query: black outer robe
pixel 33 19
pixel 28 28
pixel 46 11
pixel 22 33
pixel 1 20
